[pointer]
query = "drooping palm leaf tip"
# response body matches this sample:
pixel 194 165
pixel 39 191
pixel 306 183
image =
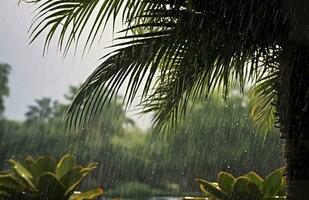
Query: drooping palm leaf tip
pixel 172 49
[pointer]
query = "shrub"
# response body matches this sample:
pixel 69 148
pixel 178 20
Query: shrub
pixel 247 187
pixel 43 178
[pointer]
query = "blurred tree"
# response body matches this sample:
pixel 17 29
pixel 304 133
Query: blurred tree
pixel 43 110
pixel 225 138
pixel 4 88
pixel 44 130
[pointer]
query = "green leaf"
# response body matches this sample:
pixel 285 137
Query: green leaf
pixel 42 165
pixel 87 195
pixel 256 179
pixel 46 164
pixel 262 98
pixel 50 187
pixel 20 169
pixel 72 176
pixel 213 190
pixel 282 191
pixel 8 182
pixel 73 187
pixel 244 189
pixel 241 189
pixel 22 173
pixel 273 183
pixel 226 182
pixel 66 163
pixel 255 192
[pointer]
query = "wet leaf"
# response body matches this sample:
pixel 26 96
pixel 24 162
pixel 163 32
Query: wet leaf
pixel 66 163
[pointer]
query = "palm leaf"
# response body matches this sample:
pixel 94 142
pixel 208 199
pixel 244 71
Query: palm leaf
pixel 263 101
pixel 193 47
pixel 70 18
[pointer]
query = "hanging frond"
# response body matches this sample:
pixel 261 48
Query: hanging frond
pixel 135 62
pixel 71 18
pixel 263 98
pixel 262 95
pixel 181 49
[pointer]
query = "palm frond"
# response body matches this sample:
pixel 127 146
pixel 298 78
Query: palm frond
pixel 193 47
pixel 132 62
pixel 71 18
pixel 263 95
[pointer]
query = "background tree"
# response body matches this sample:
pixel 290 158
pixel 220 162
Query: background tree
pixel 228 43
pixel 4 89
pixel 214 136
pixel 42 111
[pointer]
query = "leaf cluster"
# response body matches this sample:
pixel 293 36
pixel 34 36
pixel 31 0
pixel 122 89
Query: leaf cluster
pixel 247 187
pixel 44 179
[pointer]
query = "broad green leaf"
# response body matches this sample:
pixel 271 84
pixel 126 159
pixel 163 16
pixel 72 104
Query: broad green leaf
pixel 46 164
pixel 22 172
pixel 20 169
pixel 89 195
pixel 213 190
pixel 244 189
pixel 273 182
pixel 72 176
pixel 226 182
pixel 9 178
pixel 50 187
pixel 43 164
pixel 255 192
pixel 256 179
pixel 66 163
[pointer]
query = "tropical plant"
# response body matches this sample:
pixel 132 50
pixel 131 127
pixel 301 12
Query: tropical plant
pixel 191 47
pixel 247 187
pixel 44 179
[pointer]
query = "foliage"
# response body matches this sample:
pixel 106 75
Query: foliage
pixel 247 187
pixel 128 154
pixel 214 135
pixel 4 89
pixel 44 179
pixel 132 155
pixel 174 63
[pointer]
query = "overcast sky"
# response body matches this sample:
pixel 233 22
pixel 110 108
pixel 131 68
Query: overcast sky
pixel 34 76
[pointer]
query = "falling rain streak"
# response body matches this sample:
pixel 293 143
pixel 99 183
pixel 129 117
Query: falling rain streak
pixel 192 99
